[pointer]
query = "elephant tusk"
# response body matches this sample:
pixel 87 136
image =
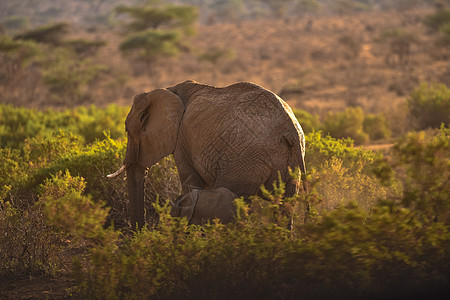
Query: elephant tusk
pixel 118 172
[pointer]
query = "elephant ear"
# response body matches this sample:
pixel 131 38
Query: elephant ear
pixel 159 121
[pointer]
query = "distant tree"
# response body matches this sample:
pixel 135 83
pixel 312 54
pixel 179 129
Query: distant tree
pixel 445 35
pixel 14 57
pixel 429 106
pixel 155 31
pixel 348 6
pixel 305 6
pixel 48 34
pixel 278 7
pixel 85 47
pixel 439 22
pixel 66 75
pixel 159 16
pixel 214 56
pixel 227 10
pixel 352 46
pixel 438 19
pixel 150 45
pixel 399 42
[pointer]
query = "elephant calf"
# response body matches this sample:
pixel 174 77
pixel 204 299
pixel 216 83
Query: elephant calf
pixel 200 206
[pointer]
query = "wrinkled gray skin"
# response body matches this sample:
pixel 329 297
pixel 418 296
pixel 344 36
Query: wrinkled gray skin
pixel 238 137
pixel 201 206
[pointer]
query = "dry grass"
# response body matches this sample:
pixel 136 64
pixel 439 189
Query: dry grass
pixel 338 63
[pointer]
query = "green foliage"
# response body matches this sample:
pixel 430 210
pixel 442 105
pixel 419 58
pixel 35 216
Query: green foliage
pixel 18 124
pixel 376 127
pixel 348 123
pixel 47 34
pixel 308 121
pixel 157 29
pixel 27 244
pixel 438 19
pixel 155 16
pixel 12 168
pixel 429 106
pixel 152 43
pixel 66 75
pixel 16 54
pixel 85 47
pixel 424 159
pixel 338 185
pixel 445 31
pixel 320 148
pixel 347 6
pixel 214 55
pixel 66 207
pixel 350 243
pixel 348 251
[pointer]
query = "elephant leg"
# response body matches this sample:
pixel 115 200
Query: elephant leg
pixel 190 179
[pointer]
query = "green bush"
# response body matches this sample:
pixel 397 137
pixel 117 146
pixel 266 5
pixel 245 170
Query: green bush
pixel 376 127
pixel 424 159
pixel 18 124
pixel 362 237
pixel 321 148
pixel 347 124
pixel 438 19
pixel 348 251
pixel 429 106
pixel 308 121
pixel 66 207
pixel 28 245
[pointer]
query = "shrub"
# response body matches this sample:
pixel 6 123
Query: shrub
pixel 376 127
pixel 348 123
pixel 66 207
pixel 18 124
pixel 350 252
pixel 308 121
pixel 320 149
pixel 424 161
pixel 445 34
pixel 28 245
pixel 438 19
pixel 429 106
pixel 12 169
pixel 338 185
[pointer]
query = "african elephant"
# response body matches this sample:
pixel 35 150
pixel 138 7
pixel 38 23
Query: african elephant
pixel 239 137
pixel 200 206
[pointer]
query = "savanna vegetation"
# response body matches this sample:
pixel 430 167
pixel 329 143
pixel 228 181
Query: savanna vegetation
pixel 368 81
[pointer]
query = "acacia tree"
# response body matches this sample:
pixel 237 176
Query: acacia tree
pixel 149 45
pixel 47 34
pixel 65 69
pixel 155 31
pixel 15 56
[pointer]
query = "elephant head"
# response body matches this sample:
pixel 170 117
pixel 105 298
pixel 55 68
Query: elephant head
pixel 200 206
pixel 152 127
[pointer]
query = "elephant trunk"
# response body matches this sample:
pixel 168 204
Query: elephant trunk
pixel 135 185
